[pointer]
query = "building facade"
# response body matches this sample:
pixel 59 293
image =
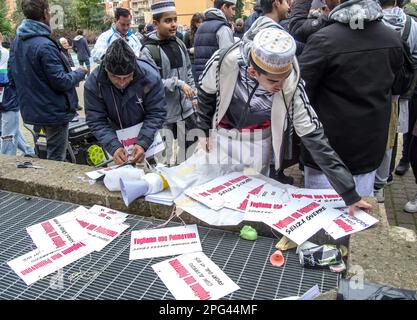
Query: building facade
pixel 141 13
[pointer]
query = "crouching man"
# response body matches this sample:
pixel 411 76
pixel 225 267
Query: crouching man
pixel 250 103
pixel 124 94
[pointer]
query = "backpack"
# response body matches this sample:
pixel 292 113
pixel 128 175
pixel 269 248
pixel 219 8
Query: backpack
pixel 153 46
pixel 406 80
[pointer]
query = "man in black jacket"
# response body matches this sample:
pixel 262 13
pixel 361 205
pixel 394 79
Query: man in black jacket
pixel 302 24
pixel 349 68
pixel 124 94
pixel 44 81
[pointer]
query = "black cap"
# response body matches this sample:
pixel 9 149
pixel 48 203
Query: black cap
pixel 120 58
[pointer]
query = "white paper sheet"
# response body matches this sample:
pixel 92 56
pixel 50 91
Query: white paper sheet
pixel 101 230
pixel 345 225
pixel 328 197
pixel 299 221
pixel 164 197
pixel 229 188
pixel 164 242
pixel 262 209
pixel 37 264
pixel 96 174
pixel 128 137
pixel 194 276
pixel 57 233
pixel 108 214
pixel 222 217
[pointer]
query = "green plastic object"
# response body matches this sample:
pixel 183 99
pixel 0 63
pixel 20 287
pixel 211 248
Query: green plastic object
pixel 248 233
pixel 95 155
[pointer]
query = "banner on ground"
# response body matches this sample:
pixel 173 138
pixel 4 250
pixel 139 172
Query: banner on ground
pixel 58 232
pixel 194 276
pixel 345 225
pixel 164 242
pixel 229 188
pixel 328 197
pixel 299 221
pixel 37 264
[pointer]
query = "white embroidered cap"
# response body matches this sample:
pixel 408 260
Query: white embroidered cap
pixel 273 50
pixel 161 6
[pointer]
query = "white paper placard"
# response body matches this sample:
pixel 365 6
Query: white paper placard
pixel 345 225
pixel 164 242
pixel 37 264
pixel 57 233
pixel 329 197
pixel 262 208
pixel 299 221
pixel 108 214
pixel 100 230
pixel 96 174
pixel 128 137
pixel 240 201
pixel 229 188
pixel 222 217
pixel 194 276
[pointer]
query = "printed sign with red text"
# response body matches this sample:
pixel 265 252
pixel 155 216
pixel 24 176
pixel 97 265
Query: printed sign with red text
pixel 193 276
pixel 164 242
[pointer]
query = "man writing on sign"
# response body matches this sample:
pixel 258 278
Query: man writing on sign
pixel 124 93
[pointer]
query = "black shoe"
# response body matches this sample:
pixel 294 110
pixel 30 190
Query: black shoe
pixel 281 177
pixel 34 156
pixel 402 168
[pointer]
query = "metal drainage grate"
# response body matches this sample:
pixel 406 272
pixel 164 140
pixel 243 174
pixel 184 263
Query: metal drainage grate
pixel 113 276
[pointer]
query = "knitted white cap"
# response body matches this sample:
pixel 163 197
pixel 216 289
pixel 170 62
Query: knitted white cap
pixel 161 6
pixel 273 50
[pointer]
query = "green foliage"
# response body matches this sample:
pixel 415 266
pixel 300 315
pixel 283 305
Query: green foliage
pixel 77 14
pixel 18 16
pixel 239 9
pixel 5 25
pixel 90 14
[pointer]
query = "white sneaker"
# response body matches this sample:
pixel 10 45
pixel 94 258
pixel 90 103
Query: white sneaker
pixel 379 195
pixel 411 206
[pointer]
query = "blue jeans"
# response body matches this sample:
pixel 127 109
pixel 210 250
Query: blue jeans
pixel 56 142
pixel 11 137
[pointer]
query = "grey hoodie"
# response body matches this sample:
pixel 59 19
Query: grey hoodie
pixel 178 106
pixel 395 19
pixel 225 34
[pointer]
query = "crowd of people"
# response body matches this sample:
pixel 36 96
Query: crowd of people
pixel 320 83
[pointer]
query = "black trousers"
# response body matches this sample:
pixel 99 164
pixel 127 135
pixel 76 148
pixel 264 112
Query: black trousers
pixel 412 117
pixel 413 155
